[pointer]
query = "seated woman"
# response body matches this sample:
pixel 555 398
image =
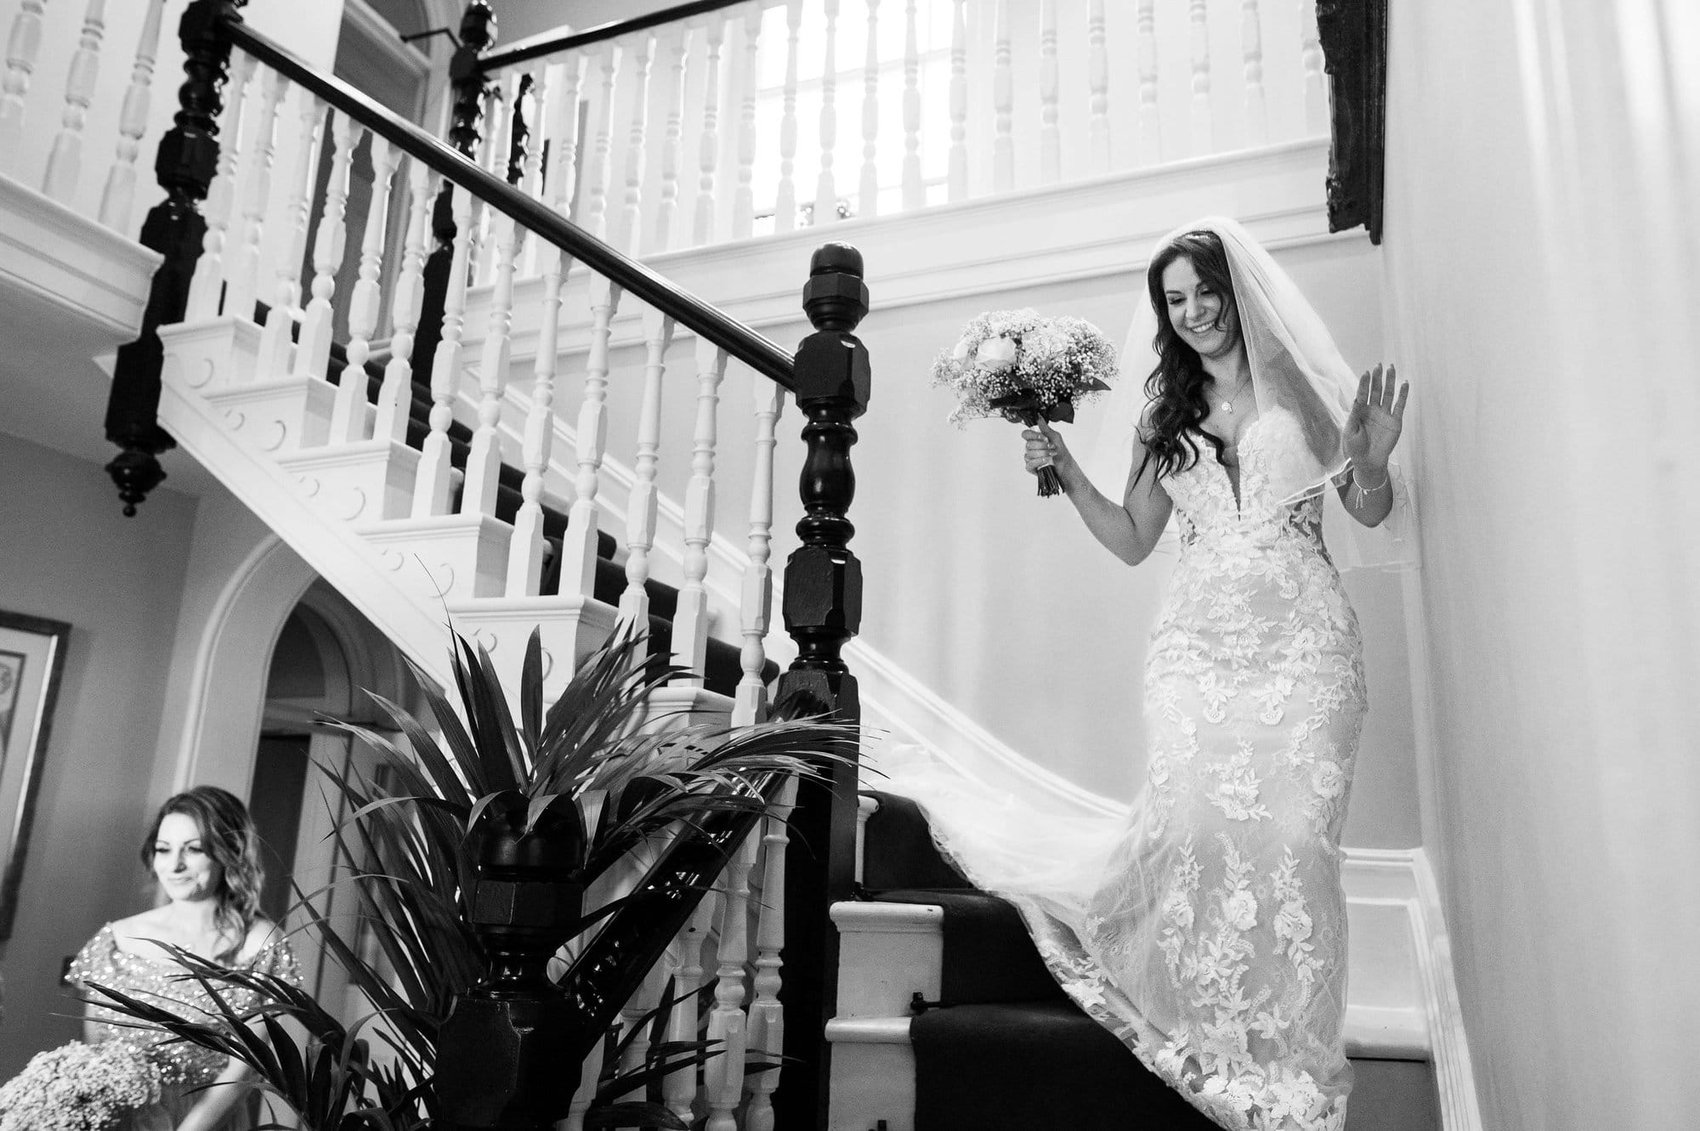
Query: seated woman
pixel 204 852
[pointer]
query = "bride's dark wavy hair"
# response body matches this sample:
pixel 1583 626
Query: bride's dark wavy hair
pixel 230 838
pixel 1174 421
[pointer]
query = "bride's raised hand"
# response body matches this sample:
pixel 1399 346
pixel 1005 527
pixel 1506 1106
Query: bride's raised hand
pixel 1377 418
pixel 1046 448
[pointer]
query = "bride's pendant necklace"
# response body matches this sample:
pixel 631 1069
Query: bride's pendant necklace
pixel 1228 405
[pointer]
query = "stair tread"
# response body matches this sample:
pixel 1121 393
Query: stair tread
pixel 899 850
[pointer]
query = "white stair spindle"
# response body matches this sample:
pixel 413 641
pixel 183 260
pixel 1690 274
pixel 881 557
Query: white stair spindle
pixel 348 415
pixel 958 176
pixel 484 461
pixel 1098 80
pixel 1050 134
pixel 313 350
pixel 23 45
pixel 243 287
pixel 563 126
pixel 538 123
pixel 766 1021
pixel 708 143
pixel 578 545
pixel 65 162
pixel 630 236
pixel 749 703
pixel 275 343
pixel 690 622
pixel 679 1089
pixel 1150 118
pixel 914 191
pixel 525 549
pixel 1310 59
pixel 599 169
pixel 677 44
pixel 744 200
pixel 432 488
pixel 723 1077
pixel 1003 103
pixel 867 193
pixel 206 286
pixel 395 397
pixel 589 1071
pixel 120 192
pixel 785 203
pixel 497 143
pixel 1202 125
pixel 1256 106
pixel 826 187
pixel 641 507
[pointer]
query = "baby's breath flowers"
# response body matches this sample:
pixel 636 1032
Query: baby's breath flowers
pixel 79 1087
pixel 1025 368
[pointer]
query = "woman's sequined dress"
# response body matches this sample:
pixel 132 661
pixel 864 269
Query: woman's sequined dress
pixel 184 1066
pixel 1207 927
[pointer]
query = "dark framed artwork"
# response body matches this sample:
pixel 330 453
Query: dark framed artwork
pixel 1353 35
pixel 32 662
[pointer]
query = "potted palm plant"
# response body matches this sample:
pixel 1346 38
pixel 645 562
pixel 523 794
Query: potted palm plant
pixel 482 848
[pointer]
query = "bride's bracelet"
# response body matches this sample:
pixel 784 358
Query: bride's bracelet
pixel 1360 492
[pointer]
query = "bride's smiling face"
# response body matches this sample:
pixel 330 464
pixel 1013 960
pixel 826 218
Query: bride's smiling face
pixel 1204 317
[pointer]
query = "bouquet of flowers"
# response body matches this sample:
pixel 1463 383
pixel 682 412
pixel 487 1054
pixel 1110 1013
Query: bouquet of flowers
pixel 79 1087
pixel 1025 368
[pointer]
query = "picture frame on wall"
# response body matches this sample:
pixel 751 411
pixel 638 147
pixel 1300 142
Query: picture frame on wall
pixel 32 663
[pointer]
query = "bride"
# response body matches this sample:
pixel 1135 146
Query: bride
pixel 1207 929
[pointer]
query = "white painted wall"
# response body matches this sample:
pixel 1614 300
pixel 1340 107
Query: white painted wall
pixel 1541 281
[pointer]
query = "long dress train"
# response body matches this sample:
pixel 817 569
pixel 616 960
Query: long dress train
pixel 1207 927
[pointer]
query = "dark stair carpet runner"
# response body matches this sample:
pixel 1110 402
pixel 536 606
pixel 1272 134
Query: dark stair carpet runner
pixel 722 666
pixel 1005 1049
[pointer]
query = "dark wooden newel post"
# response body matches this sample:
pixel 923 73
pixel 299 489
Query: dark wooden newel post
pixel 184 166
pixel 466 79
pixel 823 610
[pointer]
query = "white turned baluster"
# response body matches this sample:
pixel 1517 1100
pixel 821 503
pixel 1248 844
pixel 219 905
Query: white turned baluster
pixel 598 171
pixel 766 1022
pixel 1202 131
pixel 640 509
pixel 723 1077
pixel 525 550
pixel 497 142
pixel 1251 42
pixel 1050 135
pixel 348 414
pixel 678 44
pixel 1150 120
pixel 243 287
pixel 744 201
pixel 756 606
pixel 578 545
pixel 708 144
pixel 826 188
pixel 120 191
pixel 22 47
pixel 633 1015
pixel 785 203
pixel 275 343
pixel 958 178
pixel 484 461
pixel 867 194
pixel 395 397
pixel 563 122
pixel 1003 103
pixel 206 286
pixel 690 622
pixel 1310 58
pixel 313 351
pixel 631 214
pixel 532 179
pixel 431 489
pixel 914 192
pixel 65 162
pixel 588 1073
pixel 1098 81
pixel 679 1089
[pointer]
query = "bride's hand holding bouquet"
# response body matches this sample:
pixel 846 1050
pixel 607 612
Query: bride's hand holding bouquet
pixel 1030 370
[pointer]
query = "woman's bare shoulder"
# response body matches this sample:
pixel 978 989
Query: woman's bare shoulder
pixel 262 932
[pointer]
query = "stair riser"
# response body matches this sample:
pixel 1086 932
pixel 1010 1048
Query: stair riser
pixel 367 482
pixel 464 556
pixel 872 1082
pixel 888 953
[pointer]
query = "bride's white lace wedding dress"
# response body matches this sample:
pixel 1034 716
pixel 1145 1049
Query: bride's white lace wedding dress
pixel 1207 927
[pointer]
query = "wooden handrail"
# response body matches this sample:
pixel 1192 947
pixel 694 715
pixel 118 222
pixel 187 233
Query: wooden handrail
pixel 753 349
pixel 613 29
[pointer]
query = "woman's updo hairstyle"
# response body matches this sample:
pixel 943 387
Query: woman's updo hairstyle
pixel 229 837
